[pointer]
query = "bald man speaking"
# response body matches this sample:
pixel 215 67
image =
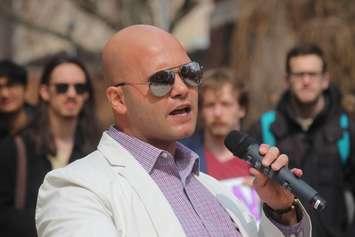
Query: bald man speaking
pixel 140 181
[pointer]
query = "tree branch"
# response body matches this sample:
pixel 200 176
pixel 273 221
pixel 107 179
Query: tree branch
pixel 12 16
pixel 183 11
pixel 90 7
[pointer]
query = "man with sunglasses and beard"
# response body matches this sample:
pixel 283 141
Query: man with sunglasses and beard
pixel 63 130
pixel 140 181
pixel 223 102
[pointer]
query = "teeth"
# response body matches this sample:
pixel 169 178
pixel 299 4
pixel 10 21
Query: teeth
pixel 180 111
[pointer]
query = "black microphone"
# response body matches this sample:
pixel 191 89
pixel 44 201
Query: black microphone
pixel 246 148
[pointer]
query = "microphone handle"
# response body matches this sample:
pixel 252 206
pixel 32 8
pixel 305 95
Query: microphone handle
pixel 286 179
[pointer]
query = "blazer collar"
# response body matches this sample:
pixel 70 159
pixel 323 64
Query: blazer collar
pixel 161 213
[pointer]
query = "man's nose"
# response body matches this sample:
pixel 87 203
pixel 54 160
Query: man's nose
pixel 4 90
pixel 71 91
pixel 306 78
pixel 217 109
pixel 179 87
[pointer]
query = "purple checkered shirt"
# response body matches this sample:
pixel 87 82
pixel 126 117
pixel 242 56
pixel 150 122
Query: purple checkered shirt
pixel 196 208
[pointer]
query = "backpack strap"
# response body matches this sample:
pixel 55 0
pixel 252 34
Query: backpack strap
pixel 21 174
pixel 266 121
pixel 344 142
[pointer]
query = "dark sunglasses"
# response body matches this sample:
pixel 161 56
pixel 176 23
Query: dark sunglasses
pixel 161 82
pixel 62 88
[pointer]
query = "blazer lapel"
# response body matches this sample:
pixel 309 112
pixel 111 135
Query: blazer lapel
pixel 237 211
pixel 158 207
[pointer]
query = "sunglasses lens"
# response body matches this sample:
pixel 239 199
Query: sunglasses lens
pixel 161 83
pixel 192 74
pixel 80 88
pixel 61 88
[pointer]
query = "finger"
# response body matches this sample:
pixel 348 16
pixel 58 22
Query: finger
pixel 260 179
pixel 280 162
pixel 271 155
pixel 263 149
pixel 297 172
pixel 248 180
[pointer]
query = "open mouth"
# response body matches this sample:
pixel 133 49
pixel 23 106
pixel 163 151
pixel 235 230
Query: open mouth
pixel 179 111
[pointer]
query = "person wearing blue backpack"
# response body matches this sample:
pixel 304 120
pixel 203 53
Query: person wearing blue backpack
pixel 311 127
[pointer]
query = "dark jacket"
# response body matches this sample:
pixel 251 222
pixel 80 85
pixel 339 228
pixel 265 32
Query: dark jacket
pixel 195 143
pixel 15 222
pixel 30 111
pixel 315 151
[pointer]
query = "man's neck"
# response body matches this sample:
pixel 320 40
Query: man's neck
pixel 160 144
pixel 17 121
pixel 169 147
pixel 309 111
pixel 63 129
pixel 215 145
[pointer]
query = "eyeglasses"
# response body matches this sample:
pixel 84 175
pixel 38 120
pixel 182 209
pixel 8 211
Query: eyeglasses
pixel 300 75
pixel 62 88
pixel 9 84
pixel 161 82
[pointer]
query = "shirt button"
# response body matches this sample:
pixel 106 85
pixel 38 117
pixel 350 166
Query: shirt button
pixel 164 155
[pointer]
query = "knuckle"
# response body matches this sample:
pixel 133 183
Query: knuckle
pixel 274 150
pixel 275 166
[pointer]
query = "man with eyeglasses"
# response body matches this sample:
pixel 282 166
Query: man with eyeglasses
pixel 311 127
pixel 63 130
pixel 140 181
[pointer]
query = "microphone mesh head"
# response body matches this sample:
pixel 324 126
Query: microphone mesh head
pixel 238 143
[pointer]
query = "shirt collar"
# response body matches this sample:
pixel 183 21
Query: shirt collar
pixel 147 155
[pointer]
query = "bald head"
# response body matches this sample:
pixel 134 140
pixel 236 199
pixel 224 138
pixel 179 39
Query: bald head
pixel 130 57
pixel 131 51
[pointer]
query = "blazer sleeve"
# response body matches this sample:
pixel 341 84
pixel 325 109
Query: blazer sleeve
pixel 269 227
pixel 66 207
pixel 239 214
pixel 13 222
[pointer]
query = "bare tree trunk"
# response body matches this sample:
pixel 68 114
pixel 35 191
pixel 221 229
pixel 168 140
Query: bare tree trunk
pixel 6 33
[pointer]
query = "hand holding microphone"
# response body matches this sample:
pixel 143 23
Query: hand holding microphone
pixel 245 147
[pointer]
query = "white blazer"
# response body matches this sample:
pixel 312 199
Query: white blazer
pixel 109 194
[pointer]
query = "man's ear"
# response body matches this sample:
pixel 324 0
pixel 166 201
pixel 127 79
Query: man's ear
pixel 44 92
pixel 286 84
pixel 116 98
pixel 242 112
pixel 325 81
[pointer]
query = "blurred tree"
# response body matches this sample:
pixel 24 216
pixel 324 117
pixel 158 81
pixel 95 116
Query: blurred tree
pixel 254 39
pixel 70 21
pixel 265 31
pixel 43 27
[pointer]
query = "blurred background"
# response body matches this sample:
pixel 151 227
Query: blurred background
pixel 251 36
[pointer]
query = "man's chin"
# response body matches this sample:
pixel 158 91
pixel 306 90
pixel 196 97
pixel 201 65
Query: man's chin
pixel 10 110
pixel 71 115
pixel 220 132
pixel 308 101
pixel 185 133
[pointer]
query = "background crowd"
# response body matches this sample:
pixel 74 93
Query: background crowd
pixel 49 118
